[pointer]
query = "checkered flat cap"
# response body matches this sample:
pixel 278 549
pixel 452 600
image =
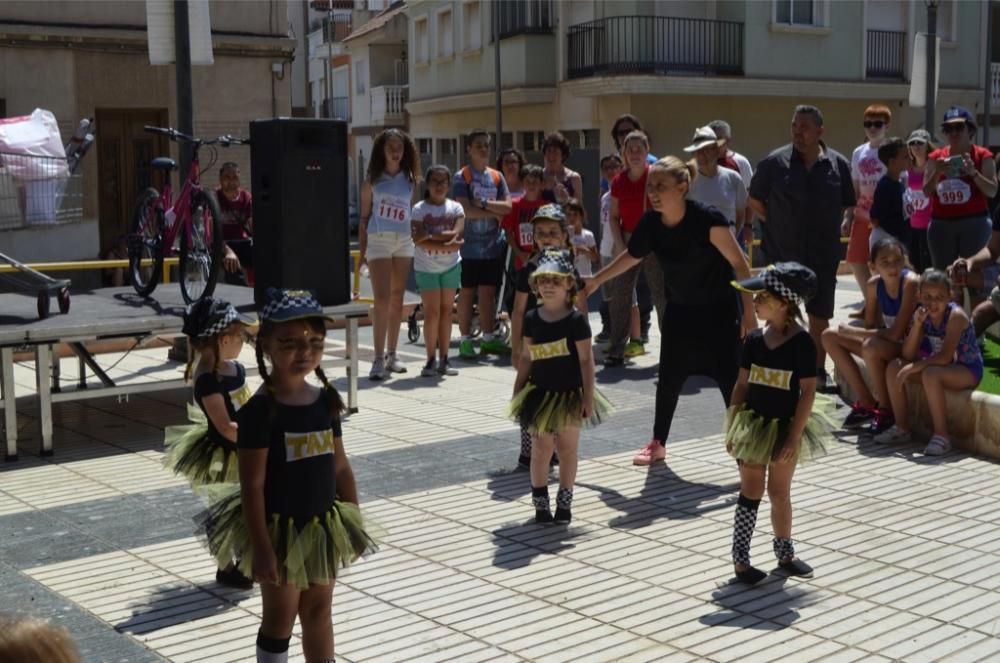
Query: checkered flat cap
pixel 791 281
pixel 209 317
pixel 287 305
pixel 557 262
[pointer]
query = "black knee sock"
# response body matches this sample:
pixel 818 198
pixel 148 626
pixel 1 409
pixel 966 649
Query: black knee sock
pixel 540 498
pixel 272 650
pixel 784 549
pixel 743 525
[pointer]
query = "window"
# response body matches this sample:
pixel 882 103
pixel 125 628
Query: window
pixel 519 17
pixel 591 139
pixel 425 145
pixel 421 40
pixel 472 32
pixel 794 12
pixel 532 140
pixel 508 140
pixel 946 20
pixel 445 34
pixel 360 76
pixel 447 146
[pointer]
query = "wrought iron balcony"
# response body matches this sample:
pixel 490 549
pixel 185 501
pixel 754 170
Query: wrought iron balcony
pixel 885 54
pixel 659 45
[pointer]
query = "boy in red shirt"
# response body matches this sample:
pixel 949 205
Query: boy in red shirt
pixel 517 224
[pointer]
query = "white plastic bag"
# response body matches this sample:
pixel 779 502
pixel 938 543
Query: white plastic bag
pixel 24 138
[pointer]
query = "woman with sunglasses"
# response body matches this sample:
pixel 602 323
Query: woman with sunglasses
pixel 959 179
pixel 510 162
pixel 917 205
pixel 866 171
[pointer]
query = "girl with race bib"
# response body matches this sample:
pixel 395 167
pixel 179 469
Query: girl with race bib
pixel 941 352
pixel 959 179
pixel 437 231
pixel 386 242
pixel 915 203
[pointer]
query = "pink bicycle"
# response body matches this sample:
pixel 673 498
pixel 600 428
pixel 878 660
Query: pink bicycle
pixel 194 214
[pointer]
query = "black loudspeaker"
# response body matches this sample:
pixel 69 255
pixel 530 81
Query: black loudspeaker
pixel 300 220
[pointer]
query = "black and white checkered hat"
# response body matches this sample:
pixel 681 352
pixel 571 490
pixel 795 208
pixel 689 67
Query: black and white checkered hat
pixel 287 305
pixel 208 317
pixel 791 281
pixel 557 262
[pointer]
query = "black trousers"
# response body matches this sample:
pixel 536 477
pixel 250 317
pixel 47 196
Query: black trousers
pixel 695 340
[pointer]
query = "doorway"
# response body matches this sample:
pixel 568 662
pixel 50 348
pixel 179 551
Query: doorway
pixel 124 151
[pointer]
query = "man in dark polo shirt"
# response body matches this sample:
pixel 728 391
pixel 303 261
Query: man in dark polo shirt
pixel 800 192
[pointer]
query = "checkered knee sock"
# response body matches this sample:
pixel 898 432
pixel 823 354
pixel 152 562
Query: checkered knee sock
pixel 784 549
pixel 525 442
pixel 564 498
pixel 743 524
pixel 540 498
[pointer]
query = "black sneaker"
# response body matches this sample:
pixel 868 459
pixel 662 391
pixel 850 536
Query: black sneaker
pixel 524 462
pixel 825 384
pixel 881 422
pixel 543 516
pixel 860 416
pixel 644 338
pixel 614 362
pixel 562 515
pixel 603 337
pixel 231 577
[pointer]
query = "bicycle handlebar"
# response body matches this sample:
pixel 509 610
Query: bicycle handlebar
pixel 173 134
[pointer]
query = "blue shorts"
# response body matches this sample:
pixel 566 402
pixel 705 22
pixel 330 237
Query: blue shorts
pixel 449 280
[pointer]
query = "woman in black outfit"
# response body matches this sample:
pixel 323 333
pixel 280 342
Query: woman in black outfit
pixel 702 323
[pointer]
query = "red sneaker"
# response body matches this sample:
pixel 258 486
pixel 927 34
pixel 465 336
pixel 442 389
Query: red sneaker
pixel 651 453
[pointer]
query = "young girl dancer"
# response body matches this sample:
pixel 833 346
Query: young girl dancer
pixel 584 245
pixel 890 299
pixel 554 394
pixel 772 423
pixel 549 231
pixel 941 351
pixel 437 231
pixel 296 521
pixel 204 452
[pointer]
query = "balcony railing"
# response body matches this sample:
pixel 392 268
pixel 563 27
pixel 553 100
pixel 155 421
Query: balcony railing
pixel 655 45
pixel 885 54
pixel 520 17
pixel 995 86
pixel 389 104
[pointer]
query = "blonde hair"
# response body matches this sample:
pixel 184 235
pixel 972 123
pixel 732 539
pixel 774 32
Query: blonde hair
pixel 27 640
pixel 636 135
pixel 681 171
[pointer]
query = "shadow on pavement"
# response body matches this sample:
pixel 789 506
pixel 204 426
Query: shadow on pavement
pixel 516 544
pixel 664 495
pixel 770 600
pixel 177 603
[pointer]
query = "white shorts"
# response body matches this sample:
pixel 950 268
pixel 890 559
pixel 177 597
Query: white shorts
pixel 389 245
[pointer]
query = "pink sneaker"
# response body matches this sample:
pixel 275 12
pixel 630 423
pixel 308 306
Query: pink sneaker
pixel 650 453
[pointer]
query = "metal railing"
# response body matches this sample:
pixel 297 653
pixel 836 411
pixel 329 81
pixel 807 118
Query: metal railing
pixel 658 45
pixel 885 54
pixel 521 17
pixel 38 191
pixel 995 85
pixel 337 28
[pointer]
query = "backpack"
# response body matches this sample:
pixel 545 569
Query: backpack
pixel 495 174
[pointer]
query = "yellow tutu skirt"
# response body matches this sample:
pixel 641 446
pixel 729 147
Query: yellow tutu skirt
pixel 198 456
pixel 308 553
pixel 542 411
pixel 758 440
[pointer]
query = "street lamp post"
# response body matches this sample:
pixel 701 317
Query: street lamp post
pixel 496 77
pixel 931 59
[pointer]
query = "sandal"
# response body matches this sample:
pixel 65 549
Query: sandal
pixel 750 576
pixel 796 567
pixel 938 446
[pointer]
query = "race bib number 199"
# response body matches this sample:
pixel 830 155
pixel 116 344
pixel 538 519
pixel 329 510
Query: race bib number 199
pixel 391 209
pixel 953 192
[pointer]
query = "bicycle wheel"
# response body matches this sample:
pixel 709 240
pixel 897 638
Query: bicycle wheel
pixel 145 243
pixel 201 248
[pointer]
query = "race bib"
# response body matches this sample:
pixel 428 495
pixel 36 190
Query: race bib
pixel 953 192
pixel 391 209
pixel 525 234
pixel 914 200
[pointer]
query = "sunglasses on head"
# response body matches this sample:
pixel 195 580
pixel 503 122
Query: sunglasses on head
pixel 954 127
pixel 874 124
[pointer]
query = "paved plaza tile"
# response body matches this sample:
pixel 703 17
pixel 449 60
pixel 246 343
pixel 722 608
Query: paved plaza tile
pixel 100 538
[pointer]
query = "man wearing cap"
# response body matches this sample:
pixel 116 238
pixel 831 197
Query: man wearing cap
pixel 721 188
pixel 959 179
pixel 800 192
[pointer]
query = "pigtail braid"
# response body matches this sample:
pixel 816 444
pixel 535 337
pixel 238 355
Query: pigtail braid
pixel 268 384
pixel 330 393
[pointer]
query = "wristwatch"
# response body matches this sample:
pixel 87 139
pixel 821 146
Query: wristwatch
pixel 482 203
